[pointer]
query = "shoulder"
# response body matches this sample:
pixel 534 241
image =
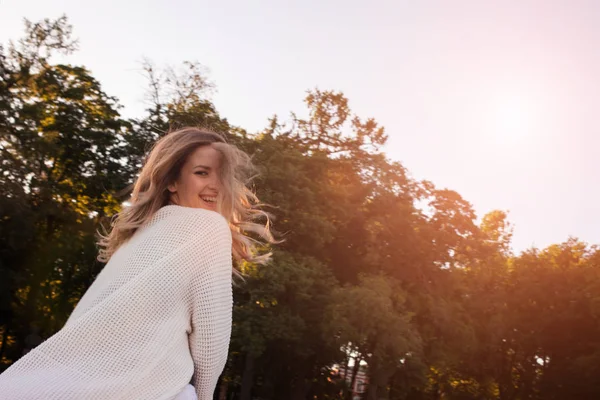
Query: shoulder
pixel 191 224
pixel 205 242
pixel 199 216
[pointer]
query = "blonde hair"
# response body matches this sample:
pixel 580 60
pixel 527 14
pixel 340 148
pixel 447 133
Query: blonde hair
pixel 237 203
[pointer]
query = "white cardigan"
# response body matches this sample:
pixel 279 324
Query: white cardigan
pixel 156 318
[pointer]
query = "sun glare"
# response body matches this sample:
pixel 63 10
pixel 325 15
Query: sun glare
pixel 512 119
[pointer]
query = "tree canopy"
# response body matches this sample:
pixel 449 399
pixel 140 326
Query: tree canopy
pixel 378 272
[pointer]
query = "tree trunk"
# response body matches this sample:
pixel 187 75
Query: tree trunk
pixel 393 382
pixel 378 381
pixel 436 391
pixel 4 339
pixel 302 384
pixel 355 370
pixel 64 307
pixel 506 384
pixel 247 378
pixel 223 390
pixel 40 267
pixel 300 390
pixel 346 365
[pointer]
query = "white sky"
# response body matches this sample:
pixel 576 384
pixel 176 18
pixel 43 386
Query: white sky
pixel 496 100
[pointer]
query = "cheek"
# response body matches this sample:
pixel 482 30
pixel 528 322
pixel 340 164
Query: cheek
pixel 195 185
pixel 188 187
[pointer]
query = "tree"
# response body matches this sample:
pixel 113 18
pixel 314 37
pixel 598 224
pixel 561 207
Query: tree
pixel 377 327
pixel 279 326
pixel 60 138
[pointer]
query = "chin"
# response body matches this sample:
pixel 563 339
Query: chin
pixel 207 207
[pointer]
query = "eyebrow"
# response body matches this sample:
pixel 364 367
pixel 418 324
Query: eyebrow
pixel 203 166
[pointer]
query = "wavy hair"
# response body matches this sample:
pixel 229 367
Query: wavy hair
pixel 237 203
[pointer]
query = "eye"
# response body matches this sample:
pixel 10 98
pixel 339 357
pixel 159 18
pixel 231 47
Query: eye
pixel 201 173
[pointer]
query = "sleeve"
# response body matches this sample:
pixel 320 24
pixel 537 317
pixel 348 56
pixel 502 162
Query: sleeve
pixel 211 304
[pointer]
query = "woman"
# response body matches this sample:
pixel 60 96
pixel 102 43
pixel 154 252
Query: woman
pixel 156 322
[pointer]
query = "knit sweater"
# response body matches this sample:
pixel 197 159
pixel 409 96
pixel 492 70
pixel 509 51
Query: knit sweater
pixel 157 317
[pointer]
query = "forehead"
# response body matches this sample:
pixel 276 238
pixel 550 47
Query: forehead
pixel 204 155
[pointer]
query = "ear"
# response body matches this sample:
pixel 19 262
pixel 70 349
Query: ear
pixel 172 187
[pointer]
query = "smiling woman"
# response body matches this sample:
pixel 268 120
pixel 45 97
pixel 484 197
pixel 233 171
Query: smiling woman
pixel 160 312
pixel 198 184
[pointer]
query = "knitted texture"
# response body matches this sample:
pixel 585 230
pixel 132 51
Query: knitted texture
pixel 157 317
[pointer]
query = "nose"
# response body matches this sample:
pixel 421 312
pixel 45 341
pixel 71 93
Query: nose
pixel 214 183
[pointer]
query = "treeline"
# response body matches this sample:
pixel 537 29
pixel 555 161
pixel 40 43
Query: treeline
pixel 377 268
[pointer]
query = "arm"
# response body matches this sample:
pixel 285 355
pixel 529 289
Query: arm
pixel 211 297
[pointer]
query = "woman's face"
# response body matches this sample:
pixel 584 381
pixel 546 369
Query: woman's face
pixel 198 183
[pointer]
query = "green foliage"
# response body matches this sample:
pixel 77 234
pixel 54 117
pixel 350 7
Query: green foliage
pixel 375 267
pixel 61 159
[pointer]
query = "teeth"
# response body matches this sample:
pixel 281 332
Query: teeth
pixel 209 199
